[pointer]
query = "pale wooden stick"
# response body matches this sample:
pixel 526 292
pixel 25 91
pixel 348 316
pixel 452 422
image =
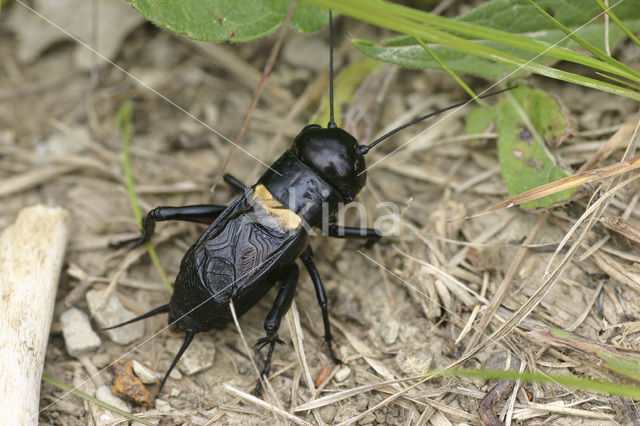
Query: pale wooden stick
pixel 31 254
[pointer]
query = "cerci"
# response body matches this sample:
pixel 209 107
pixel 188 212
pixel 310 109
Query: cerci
pixel 254 243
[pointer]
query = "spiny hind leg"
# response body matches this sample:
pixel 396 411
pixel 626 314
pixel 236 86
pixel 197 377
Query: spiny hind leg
pixel 274 318
pixel 307 259
pixel 200 213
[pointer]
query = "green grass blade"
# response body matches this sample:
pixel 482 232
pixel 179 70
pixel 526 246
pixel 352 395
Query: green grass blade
pixel 390 11
pixel 619 23
pixel 620 81
pixel 393 16
pixel 451 73
pixel 588 46
pixel 158 266
pixel 124 118
pixel 609 388
pixel 92 399
pixel 387 19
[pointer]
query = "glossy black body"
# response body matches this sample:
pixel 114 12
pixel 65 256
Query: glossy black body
pixel 242 254
pixel 334 156
pixel 239 256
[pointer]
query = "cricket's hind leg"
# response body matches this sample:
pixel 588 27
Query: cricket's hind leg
pixel 321 295
pixel 274 318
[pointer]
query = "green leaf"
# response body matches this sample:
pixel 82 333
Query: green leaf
pixel 225 20
pixel 518 16
pixel 416 57
pixel 309 17
pixel 479 120
pixel 528 122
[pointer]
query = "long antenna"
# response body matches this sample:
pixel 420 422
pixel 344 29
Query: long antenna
pixel 363 149
pixel 332 123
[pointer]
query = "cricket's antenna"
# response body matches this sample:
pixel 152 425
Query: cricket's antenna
pixel 364 149
pixel 332 123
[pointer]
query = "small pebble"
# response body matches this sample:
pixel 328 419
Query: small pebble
pixel 381 417
pixel 101 360
pixel 79 337
pixel 144 373
pixel 61 144
pixel 328 413
pixel 103 393
pixel 175 374
pixel 163 406
pixel 362 402
pixel 388 331
pixel 414 362
pixel 367 419
pixel 199 357
pixel 114 313
pixel 342 374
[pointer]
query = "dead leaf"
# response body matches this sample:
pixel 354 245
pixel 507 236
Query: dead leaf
pixel 49 22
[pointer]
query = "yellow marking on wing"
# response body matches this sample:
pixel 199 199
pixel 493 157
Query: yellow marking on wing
pixel 287 219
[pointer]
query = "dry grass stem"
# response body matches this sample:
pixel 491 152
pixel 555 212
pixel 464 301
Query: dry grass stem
pixel 569 182
pixel 342 395
pixel 32 178
pixel 501 291
pixel 297 337
pixel 263 404
pixel 266 384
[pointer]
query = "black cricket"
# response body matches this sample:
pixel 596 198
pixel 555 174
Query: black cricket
pixel 254 243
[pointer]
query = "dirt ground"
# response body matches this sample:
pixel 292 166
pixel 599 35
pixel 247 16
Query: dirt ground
pixel 402 307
